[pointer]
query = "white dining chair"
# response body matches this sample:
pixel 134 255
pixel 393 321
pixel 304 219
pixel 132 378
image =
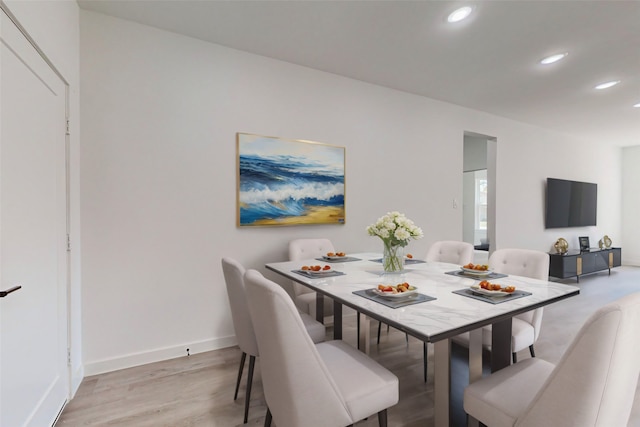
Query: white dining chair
pixel 450 251
pixel 305 384
pixel 234 278
pixel 305 298
pixel 525 327
pixel 593 384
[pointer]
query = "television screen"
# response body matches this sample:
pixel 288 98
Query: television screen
pixel 570 203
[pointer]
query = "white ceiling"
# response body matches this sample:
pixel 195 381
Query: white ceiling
pixel 488 63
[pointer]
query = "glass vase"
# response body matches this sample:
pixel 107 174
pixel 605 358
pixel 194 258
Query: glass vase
pixel 393 258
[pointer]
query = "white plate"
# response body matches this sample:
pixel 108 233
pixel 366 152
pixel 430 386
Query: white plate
pixel 398 295
pixel 473 272
pixel 333 258
pixel 479 290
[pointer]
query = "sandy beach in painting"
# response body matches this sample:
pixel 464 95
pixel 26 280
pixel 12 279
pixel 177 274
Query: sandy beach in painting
pixel 315 215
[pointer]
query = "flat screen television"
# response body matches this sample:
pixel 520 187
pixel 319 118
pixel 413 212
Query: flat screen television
pixel 570 203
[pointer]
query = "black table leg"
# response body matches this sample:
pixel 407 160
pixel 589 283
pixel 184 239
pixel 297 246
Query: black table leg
pixel 500 345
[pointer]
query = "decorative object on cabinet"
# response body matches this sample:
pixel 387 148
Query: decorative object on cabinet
pixel 584 244
pixel 561 245
pixel 289 182
pixel 605 242
pixel 578 263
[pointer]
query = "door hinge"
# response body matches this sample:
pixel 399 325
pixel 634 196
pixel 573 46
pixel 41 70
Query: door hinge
pixel 68 357
pixel 68 132
pixel 68 243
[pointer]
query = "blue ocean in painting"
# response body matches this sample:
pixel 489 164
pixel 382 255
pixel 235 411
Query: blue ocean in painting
pixel 283 186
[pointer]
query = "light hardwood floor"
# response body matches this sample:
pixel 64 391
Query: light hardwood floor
pixel 198 390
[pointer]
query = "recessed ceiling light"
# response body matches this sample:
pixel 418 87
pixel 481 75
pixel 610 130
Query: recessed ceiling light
pixel 607 84
pixel 553 58
pixel 637 105
pixel 460 14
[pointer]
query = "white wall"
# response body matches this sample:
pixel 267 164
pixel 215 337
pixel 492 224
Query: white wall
pixel 55 27
pixel 630 239
pixel 160 114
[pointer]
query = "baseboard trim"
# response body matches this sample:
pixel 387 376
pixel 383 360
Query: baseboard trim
pixel 157 355
pixel 76 378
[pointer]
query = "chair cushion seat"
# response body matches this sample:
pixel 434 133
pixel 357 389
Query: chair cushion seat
pixel 522 336
pixel 366 387
pixel 499 399
pixel 316 330
pixel 307 303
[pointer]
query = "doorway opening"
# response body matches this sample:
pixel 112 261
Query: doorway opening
pixel 478 195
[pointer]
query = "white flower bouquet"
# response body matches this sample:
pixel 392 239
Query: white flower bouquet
pixel 395 230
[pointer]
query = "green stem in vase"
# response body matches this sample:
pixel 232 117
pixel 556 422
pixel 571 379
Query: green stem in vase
pixel 393 257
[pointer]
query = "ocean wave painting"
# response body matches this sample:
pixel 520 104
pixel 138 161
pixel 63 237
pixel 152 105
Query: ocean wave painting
pixel 287 182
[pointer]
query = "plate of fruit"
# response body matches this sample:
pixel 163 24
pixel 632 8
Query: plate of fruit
pixel 492 289
pixel 332 256
pixel 400 290
pixel 476 269
pixel 317 270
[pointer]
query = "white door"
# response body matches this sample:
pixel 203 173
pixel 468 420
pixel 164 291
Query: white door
pixel 33 320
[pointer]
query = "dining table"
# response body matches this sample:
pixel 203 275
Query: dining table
pixel 445 302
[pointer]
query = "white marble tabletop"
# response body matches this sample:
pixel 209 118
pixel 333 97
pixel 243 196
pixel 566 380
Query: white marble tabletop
pixel 446 316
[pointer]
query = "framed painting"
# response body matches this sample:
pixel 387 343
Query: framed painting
pixel 289 182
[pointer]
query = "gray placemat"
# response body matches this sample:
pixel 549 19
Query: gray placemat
pixel 461 273
pixel 341 259
pixel 306 273
pixel 492 300
pixel 394 303
pixel 406 261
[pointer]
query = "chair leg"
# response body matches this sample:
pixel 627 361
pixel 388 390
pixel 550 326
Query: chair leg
pixel 267 418
pixel 515 357
pixel 424 358
pixel 533 353
pixel 382 418
pixel 379 327
pixel 242 359
pixel 252 362
pixel 406 337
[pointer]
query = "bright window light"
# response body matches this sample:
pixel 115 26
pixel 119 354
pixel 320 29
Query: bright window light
pixel 553 58
pixel 607 85
pixel 460 14
pixel 637 105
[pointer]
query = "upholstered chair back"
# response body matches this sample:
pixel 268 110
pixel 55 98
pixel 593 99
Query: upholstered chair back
pixel 526 263
pixel 234 277
pixel 307 248
pixel 453 252
pixel 520 262
pixel 292 369
pixel 594 383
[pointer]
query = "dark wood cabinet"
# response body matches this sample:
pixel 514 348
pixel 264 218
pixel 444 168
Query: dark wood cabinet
pixel 576 264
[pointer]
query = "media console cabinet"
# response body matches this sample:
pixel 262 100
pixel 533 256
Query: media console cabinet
pixel 579 263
